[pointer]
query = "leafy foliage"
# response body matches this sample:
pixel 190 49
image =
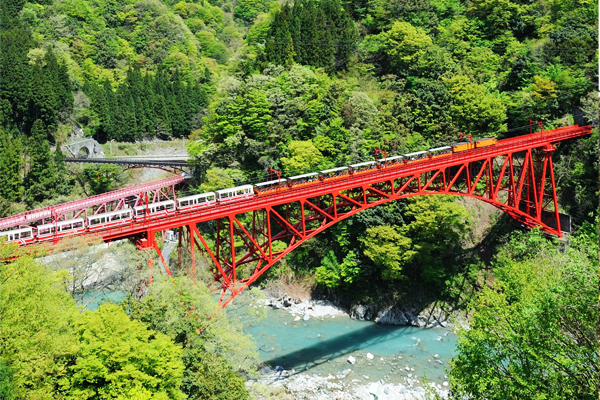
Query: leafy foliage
pixel 534 331
pixel 212 346
pixel 121 358
pixel 36 329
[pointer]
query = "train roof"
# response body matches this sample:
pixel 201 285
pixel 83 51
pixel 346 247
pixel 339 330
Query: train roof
pixel 303 176
pixel 15 231
pixel 243 187
pixel 69 221
pixel 196 196
pixel 158 203
pixel 326 171
pixel 363 164
pixel 108 214
pixel 282 180
pixel 441 148
pixel 415 153
pixel 485 138
pixel 396 157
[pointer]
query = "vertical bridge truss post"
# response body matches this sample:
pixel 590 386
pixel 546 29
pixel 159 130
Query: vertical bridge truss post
pixel 240 247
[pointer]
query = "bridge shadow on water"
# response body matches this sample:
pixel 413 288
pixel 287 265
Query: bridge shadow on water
pixel 341 345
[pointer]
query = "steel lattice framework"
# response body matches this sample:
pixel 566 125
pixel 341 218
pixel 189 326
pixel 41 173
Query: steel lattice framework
pixel 246 237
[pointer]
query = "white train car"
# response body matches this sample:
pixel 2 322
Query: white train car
pixel 418 155
pixel 439 152
pixel 269 185
pixel 234 193
pixel 22 235
pixel 109 219
pixel 391 160
pixel 332 173
pixel 361 167
pixel 301 179
pixel 197 200
pixel 160 207
pixel 60 228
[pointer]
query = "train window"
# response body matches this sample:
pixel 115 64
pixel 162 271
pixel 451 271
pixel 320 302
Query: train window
pixel 25 234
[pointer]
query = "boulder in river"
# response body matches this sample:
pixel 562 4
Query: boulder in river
pixel 391 316
pixel 362 313
pixel 369 356
pixel 351 360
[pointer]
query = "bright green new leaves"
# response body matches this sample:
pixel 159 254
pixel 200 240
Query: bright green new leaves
pixel 405 43
pixel 534 333
pixel 437 228
pixel 36 317
pixel 220 178
pixel 303 157
pixel 122 359
pixel 473 109
pixel 388 249
pixel 214 348
pixel 333 274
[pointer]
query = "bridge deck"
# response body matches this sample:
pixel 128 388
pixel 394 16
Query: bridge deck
pixel 503 146
pixel 46 212
pixel 183 217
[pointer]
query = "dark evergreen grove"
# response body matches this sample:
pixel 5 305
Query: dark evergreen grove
pixel 146 105
pixel 321 34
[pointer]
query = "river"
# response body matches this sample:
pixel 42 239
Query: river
pixel 322 346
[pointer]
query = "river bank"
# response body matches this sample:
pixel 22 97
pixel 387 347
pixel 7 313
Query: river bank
pixel 313 349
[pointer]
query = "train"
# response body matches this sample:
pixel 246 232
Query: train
pixel 126 215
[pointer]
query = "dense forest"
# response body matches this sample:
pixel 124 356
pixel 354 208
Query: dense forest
pixel 299 86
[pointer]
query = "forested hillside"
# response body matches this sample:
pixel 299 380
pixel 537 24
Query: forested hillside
pixel 300 86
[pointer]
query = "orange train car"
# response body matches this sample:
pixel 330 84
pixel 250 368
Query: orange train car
pixel 462 146
pixel 485 142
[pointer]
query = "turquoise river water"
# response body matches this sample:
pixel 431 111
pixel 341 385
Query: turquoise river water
pixel 323 345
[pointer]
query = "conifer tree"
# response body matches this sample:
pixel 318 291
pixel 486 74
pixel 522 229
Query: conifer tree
pixel 63 184
pixel 11 182
pixel 111 109
pixel 15 71
pixel 40 179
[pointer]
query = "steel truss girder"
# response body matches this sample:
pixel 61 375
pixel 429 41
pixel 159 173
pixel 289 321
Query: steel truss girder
pixel 246 244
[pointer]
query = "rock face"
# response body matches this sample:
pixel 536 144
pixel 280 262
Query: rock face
pixel 391 316
pixel 363 313
pixel 430 317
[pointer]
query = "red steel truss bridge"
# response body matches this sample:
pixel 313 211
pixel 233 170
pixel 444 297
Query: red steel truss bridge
pixel 243 238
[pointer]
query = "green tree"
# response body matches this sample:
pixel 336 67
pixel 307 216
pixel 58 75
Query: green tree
pixel 63 183
pixel 334 274
pixel 220 178
pixel 36 339
pixel 101 178
pixel 6 386
pixel 403 44
pixel 214 348
pixel 473 109
pixel 11 182
pixel 122 359
pixel 40 180
pixel 388 249
pixel 534 331
pixel 436 230
pixel 303 156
